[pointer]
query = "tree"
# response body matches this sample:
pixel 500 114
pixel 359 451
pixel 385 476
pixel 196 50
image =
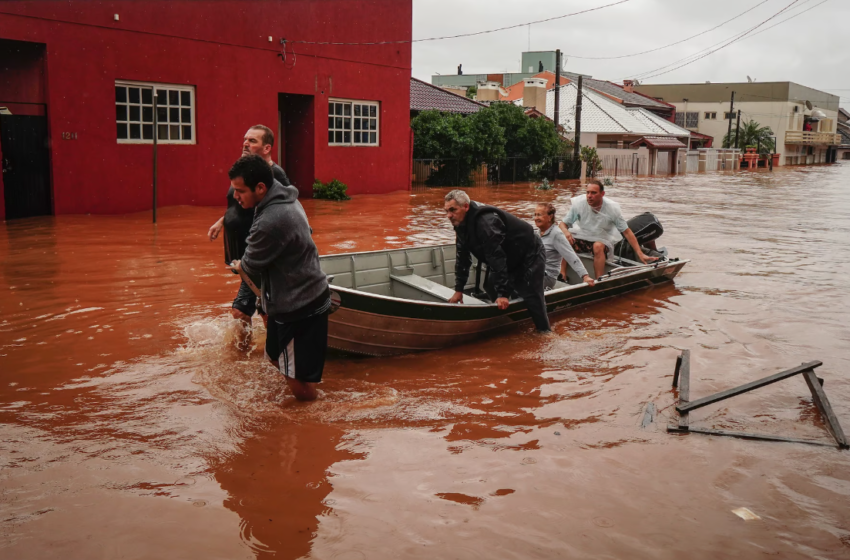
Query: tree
pixel 532 138
pixel 752 134
pixel 462 142
pixel 471 92
pixel 488 136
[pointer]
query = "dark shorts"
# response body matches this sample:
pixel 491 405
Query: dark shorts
pixel 585 246
pixel 299 346
pixel 246 300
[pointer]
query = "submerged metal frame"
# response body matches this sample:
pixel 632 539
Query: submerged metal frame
pixel 681 380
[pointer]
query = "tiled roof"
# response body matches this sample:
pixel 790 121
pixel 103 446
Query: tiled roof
pixel 517 90
pixel 663 142
pixel 424 96
pixel 632 99
pixel 652 120
pixel 601 115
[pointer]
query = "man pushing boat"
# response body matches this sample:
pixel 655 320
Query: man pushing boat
pixel 294 290
pixel 514 255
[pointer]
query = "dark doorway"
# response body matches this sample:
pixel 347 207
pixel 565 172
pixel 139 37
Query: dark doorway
pixel 26 166
pixel 296 140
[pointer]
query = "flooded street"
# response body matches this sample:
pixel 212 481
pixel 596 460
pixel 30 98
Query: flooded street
pixel 131 427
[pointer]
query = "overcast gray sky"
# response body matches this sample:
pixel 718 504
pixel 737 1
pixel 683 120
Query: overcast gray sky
pixel 812 49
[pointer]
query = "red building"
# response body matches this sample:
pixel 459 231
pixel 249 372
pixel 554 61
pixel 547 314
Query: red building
pixel 81 77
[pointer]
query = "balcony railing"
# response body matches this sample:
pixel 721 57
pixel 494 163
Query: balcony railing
pixel 809 138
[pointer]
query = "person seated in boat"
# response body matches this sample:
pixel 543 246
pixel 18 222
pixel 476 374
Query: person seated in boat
pixel 294 290
pixel 595 224
pixel 514 255
pixel 559 252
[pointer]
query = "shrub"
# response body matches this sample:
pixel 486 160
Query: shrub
pixel 334 190
pixel 594 163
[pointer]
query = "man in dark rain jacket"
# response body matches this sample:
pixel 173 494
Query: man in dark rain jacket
pixel 514 254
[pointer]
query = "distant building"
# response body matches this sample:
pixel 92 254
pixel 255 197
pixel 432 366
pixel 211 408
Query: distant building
pixel 803 119
pixel 530 63
pixel 627 134
pixel 843 150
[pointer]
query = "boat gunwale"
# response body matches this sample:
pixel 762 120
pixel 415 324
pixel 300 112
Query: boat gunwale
pixel 641 269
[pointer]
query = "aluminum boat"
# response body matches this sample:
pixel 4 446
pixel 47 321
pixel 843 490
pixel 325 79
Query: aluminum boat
pixel 396 301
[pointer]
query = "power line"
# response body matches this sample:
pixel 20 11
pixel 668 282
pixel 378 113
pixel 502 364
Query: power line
pixel 466 34
pixel 666 46
pixel 726 42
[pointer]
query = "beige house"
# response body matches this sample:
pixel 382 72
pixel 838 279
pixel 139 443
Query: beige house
pixel 803 120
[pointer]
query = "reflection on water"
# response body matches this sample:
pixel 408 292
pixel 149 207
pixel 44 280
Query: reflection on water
pixel 130 425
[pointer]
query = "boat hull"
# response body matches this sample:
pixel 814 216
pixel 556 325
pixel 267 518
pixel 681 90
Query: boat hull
pixel 377 325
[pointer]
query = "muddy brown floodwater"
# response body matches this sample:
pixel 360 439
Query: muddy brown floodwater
pixel 131 427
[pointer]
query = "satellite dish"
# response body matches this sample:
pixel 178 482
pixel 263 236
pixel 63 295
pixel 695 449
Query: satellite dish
pixel 749 80
pixel 809 105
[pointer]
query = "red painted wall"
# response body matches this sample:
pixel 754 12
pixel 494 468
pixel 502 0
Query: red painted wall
pixel 223 49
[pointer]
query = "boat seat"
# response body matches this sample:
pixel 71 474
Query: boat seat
pixel 412 286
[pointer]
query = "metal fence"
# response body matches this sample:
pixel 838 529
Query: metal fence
pixel 693 162
pixel 628 164
pixel 455 173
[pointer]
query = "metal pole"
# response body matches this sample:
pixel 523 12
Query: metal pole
pixel 557 89
pixel 577 148
pixel 731 110
pixel 738 131
pixel 155 135
pixel 557 114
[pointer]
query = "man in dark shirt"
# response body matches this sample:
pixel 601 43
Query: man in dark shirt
pixel 295 291
pixel 237 221
pixel 515 257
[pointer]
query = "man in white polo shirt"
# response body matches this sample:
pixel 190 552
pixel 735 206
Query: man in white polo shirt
pixel 594 225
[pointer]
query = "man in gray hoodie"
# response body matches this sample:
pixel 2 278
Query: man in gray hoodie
pixel 294 290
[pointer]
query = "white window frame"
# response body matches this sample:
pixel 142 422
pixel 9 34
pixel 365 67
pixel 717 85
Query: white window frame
pixel 351 118
pixel 154 86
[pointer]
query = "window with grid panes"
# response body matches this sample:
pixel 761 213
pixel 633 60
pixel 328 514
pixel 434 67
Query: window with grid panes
pixel 353 123
pixel 134 116
pixel 691 119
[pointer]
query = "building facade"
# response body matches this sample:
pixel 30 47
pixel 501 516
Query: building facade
pixel 802 119
pixel 88 74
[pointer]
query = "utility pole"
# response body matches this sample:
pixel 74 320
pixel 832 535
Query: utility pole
pixel 738 131
pixel 577 149
pixel 557 88
pixel 731 115
pixel 557 114
pixel 155 135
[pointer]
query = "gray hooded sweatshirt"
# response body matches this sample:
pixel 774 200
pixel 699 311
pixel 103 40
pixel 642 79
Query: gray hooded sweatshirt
pixel 281 252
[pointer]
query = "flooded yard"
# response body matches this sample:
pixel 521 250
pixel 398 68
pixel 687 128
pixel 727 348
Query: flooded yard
pixel 132 427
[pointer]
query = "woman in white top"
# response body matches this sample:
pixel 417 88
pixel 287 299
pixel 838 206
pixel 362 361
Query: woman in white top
pixel 557 247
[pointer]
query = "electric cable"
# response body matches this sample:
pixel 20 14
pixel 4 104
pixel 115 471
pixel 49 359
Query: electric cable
pixel 666 46
pixel 476 33
pixel 726 42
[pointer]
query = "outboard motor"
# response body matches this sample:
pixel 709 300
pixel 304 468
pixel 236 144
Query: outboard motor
pixel 647 229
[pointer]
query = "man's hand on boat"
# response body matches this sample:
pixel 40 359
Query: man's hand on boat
pixel 645 259
pixel 457 298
